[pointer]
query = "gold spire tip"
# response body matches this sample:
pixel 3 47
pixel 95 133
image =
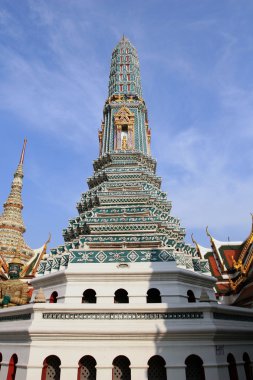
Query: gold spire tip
pixel 208 233
pixel 23 153
pixel 193 240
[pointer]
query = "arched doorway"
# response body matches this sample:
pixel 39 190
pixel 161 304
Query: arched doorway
pixel 121 369
pixel 232 370
pixel 191 296
pixel 12 367
pixel 247 366
pixel 121 296
pixel 194 368
pixel 156 368
pixel 53 297
pixel 89 296
pixel 51 368
pixel 87 368
pixel 153 296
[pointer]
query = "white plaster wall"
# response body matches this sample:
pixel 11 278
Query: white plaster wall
pixel 138 352
pixel 137 279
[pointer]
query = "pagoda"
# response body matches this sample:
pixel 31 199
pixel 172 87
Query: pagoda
pixel 124 297
pixel 124 216
pixel 12 229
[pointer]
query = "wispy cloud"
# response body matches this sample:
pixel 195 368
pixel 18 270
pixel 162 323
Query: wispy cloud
pixel 54 93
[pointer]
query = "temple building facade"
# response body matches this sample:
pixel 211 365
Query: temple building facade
pixel 124 297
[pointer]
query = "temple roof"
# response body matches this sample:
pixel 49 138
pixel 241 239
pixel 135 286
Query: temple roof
pixel 231 263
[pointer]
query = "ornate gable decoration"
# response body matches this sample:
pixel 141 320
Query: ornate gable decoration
pixel 124 116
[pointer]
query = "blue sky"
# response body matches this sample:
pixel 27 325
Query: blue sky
pixel 196 60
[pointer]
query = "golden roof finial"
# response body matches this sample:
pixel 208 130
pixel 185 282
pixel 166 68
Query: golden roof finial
pixel 197 246
pixel 193 240
pixel 21 161
pixel 208 233
pixel 40 256
pixel 49 239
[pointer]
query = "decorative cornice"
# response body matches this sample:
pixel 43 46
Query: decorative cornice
pixel 124 316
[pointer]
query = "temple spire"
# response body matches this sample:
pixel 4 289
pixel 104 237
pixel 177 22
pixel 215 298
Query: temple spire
pixel 125 70
pixel 21 161
pixel 125 122
pixel 12 225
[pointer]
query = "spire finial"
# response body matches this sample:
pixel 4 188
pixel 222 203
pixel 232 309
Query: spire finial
pixel 23 153
pixel 208 233
pixel 193 240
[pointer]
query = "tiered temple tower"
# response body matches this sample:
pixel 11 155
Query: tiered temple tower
pixel 12 229
pixel 12 225
pixel 124 216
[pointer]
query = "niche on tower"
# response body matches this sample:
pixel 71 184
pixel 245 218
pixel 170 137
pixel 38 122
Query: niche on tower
pixel 124 129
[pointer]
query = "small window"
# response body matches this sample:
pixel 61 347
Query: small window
pixel 153 296
pixel 156 368
pixel 191 296
pixel 51 368
pixel 121 368
pixel 12 369
pixel 121 296
pixel 53 297
pixel 194 369
pixel 89 296
pixel 247 366
pixel 87 368
pixel 1 358
pixel 232 370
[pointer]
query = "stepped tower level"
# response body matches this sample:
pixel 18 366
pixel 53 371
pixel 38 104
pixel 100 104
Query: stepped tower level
pixel 124 216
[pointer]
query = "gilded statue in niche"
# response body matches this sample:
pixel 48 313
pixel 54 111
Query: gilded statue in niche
pixel 124 143
pixel 124 129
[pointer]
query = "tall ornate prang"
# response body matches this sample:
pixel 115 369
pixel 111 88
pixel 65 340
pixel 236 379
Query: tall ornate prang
pixel 12 228
pixel 12 225
pixel 125 123
pixel 124 216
